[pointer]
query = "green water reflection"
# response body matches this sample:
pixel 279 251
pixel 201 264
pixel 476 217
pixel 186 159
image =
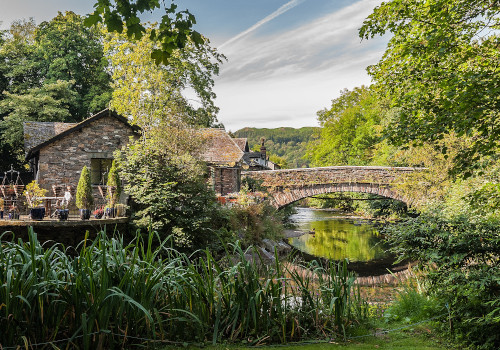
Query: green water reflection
pixel 337 238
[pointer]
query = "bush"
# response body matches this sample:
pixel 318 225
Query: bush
pixel 84 197
pixel 255 222
pixel 463 269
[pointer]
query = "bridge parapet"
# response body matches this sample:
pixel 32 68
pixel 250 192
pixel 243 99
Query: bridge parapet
pixel 328 175
pixel 289 185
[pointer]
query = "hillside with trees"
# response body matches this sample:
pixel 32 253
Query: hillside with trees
pixel 287 143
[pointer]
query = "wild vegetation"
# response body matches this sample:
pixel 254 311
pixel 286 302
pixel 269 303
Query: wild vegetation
pixel 112 294
pixel 425 109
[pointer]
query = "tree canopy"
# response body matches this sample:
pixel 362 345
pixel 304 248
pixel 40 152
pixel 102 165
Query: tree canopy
pixel 174 32
pixel 441 70
pixel 55 71
pixel 152 94
pixel 350 129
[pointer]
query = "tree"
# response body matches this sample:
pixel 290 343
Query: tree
pixel 67 50
pixel 52 72
pixel 441 70
pixel 152 94
pixel 169 191
pixel 350 129
pixel 175 30
pixel 49 103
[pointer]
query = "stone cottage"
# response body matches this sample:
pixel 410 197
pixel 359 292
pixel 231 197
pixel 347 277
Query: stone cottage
pixel 57 152
pixel 224 159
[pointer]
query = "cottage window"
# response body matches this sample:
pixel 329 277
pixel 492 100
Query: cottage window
pixel 99 169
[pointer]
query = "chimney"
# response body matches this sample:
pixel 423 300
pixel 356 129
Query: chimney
pixel 263 148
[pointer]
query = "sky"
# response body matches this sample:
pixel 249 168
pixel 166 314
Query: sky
pixel 286 59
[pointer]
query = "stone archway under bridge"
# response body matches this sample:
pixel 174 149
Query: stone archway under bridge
pixel 286 186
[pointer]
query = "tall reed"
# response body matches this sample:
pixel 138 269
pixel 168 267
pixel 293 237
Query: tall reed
pixel 112 291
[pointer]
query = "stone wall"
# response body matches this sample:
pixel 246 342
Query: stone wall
pixel 226 180
pixel 61 162
pixel 289 185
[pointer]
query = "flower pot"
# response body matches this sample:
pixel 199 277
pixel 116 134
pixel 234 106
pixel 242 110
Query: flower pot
pixel 62 214
pixel 120 210
pixel 110 212
pixel 85 214
pixel 37 213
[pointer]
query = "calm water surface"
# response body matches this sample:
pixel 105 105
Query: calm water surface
pixel 337 238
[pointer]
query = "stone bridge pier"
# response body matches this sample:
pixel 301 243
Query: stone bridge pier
pixel 290 185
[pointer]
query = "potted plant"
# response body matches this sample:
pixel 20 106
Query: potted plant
pixel 34 194
pixel 114 190
pixel 63 212
pixel 84 197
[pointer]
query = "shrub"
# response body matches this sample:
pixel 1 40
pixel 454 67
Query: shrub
pixel 462 260
pixel 84 197
pixel 114 185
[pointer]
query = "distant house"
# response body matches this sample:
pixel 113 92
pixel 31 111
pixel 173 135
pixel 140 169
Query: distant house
pixel 224 159
pixel 57 152
pixel 255 161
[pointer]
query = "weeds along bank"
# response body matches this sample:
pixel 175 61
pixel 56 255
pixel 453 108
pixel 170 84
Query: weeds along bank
pixel 112 292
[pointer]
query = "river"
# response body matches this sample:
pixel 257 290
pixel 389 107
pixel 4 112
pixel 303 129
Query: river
pixel 337 236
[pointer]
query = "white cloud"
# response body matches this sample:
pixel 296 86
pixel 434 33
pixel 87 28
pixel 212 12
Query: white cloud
pixel 283 80
pixel 284 8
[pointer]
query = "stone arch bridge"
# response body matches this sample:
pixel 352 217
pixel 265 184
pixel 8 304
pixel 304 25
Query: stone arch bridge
pixel 290 185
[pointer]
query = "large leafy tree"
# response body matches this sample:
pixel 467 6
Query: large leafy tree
pixel 153 94
pixel 350 129
pixel 441 70
pixel 67 50
pixel 52 72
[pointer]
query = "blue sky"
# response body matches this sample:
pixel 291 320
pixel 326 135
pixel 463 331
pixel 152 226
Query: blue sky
pixel 287 59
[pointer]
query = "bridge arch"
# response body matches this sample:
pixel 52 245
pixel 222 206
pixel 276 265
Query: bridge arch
pixel 290 185
pixel 283 198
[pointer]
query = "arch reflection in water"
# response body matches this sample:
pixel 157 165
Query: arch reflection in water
pixel 337 238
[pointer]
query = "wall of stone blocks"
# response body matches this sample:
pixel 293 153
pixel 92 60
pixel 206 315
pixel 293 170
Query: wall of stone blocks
pixel 61 162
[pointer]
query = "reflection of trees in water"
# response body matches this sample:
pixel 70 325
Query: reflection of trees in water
pixel 337 239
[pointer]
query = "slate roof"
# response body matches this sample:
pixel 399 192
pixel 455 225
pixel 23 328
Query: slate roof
pixel 219 148
pixel 36 133
pixel 242 144
pixel 62 131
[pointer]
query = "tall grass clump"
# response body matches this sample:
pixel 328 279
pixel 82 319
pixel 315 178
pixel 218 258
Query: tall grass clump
pixel 111 294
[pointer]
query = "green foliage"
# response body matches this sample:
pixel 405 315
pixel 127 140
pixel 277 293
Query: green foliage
pixel 84 197
pixel 280 161
pixel 350 130
pixel 255 222
pixel 440 70
pixel 52 72
pixel 174 32
pixel 112 285
pixel 33 192
pixel 153 95
pixel 461 258
pixel 413 304
pixel 114 185
pixel 49 103
pixel 287 143
pixel 169 191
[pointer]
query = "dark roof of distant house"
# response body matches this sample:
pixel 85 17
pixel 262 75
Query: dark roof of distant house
pixel 63 131
pixel 219 148
pixel 242 144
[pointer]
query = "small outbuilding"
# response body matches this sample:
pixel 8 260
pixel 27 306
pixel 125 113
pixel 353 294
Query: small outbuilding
pixel 57 152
